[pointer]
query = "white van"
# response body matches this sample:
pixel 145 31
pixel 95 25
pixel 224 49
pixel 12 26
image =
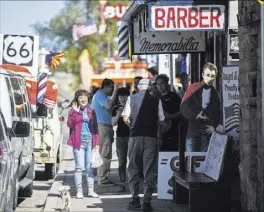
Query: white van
pixel 16 109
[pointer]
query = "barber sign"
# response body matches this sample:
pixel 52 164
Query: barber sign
pixel 186 18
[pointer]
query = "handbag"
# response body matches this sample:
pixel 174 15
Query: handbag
pixel 96 160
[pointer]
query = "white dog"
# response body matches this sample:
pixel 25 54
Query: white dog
pixel 66 198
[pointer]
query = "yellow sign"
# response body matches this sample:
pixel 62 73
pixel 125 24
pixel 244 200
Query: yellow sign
pixel 261 1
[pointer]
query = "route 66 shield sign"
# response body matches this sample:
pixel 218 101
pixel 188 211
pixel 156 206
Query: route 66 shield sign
pixel 21 50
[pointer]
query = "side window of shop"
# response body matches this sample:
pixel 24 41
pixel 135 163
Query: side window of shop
pixel 10 96
pixel 19 103
pixel 25 97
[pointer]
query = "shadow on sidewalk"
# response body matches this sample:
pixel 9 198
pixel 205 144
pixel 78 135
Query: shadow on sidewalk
pixel 111 200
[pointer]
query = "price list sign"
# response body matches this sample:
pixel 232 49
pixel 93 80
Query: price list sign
pixel 21 50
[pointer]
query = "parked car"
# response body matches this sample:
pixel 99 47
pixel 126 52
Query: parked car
pixel 7 174
pixel 16 109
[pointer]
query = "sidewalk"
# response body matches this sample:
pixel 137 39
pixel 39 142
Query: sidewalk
pixel 110 199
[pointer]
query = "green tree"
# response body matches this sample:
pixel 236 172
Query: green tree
pixel 56 35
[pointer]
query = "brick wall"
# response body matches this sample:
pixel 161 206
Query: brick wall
pixel 251 140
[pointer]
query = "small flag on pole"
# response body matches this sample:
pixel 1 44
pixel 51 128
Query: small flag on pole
pixel 79 31
pixel 53 59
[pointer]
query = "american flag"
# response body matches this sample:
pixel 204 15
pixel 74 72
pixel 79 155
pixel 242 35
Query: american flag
pixel 79 31
pixel 232 113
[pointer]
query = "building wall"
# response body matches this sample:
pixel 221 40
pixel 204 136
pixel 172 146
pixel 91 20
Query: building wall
pixel 251 140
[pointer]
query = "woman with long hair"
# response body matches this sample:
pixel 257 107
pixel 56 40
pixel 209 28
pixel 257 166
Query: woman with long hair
pixel 83 138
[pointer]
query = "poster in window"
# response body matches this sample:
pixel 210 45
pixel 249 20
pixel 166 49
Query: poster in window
pixel 233 44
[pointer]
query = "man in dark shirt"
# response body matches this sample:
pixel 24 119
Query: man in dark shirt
pixel 171 105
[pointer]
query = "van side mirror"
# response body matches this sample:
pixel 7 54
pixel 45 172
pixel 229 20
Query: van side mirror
pixel 65 104
pixel 20 129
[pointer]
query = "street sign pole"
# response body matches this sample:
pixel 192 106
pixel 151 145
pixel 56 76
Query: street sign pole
pixel 262 65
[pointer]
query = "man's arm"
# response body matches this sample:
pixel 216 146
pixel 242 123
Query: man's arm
pixel 127 112
pixel 105 102
pixel 116 115
pixel 110 103
pixel 161 112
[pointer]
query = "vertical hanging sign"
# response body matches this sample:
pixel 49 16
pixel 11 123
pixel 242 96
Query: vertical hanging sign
pixel 231 106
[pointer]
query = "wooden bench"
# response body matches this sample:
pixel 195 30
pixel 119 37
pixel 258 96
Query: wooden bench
pixel 208 191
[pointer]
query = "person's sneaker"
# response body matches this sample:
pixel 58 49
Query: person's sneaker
pixel 121 187
pixel 107 183
pixel 79 195
pixel 93 195
pixel 146 207
pixel 134 204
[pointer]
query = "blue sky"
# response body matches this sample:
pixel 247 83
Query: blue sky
pixel 17 16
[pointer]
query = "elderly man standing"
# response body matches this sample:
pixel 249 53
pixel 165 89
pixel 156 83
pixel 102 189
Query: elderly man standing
pixel 143 115
pixel 103 105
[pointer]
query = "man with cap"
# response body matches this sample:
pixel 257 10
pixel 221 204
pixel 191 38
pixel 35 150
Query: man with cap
pixel 143 115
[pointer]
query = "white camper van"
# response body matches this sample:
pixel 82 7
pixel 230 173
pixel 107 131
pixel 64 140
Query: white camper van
pixel 16 110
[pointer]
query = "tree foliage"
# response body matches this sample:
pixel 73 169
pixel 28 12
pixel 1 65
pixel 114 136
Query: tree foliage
pixel 56 35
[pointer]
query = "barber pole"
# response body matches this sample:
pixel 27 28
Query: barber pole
pixel 123 41
pixel 42 87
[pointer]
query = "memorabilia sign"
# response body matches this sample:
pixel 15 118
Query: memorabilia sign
pixel 146 42
pixel 233 44
pixel 186 18
pixel 169 163
pixel 231 106
pixel 114 11
pixel 20 50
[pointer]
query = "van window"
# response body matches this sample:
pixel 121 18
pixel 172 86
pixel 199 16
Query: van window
pixel 25 97
pixel 1 131
pixel 20 107
pixel 10 96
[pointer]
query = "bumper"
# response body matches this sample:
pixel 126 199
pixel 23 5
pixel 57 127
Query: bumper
pixel 45 159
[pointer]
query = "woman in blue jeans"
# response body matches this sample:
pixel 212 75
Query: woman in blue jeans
pixel 84 137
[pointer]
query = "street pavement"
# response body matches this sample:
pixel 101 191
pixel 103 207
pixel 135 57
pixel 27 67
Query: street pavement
pixel 41 189
pixel 110 199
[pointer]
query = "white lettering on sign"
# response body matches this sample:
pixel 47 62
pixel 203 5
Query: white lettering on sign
pixel 114 11
pixel 187 18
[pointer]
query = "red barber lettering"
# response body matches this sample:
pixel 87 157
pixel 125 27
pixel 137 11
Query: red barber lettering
pixel 203 18
pixel 188 17
pixel 171 18
pixel 181 17
pixel 193 17
pixel 159 14
pixel 214 19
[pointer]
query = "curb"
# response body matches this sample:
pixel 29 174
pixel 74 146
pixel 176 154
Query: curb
pixel 53 195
